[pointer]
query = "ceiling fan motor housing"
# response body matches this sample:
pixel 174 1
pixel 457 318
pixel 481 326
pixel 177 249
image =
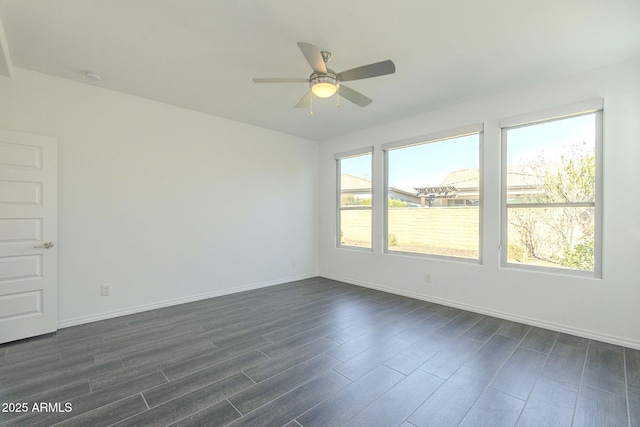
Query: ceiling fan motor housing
pixel 324 85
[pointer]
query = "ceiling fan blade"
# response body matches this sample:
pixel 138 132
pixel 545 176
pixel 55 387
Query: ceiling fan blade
pixel 305 101
pixel 354 96
pixel 313 57
pixel 280 80
pixel 367 71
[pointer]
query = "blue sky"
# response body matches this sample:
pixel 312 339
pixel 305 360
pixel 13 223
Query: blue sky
pixel 550 138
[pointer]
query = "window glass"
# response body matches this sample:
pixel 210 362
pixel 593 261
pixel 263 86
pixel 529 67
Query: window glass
pixel 355 201
pixel 433 193
pixel 550 193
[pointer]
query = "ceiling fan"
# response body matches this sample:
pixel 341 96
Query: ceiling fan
pixel 325 82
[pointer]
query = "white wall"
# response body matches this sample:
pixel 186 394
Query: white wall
pixel 164 203
pixel 606 309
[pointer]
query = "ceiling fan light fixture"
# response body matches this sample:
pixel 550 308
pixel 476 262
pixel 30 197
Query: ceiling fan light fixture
pixel 324 86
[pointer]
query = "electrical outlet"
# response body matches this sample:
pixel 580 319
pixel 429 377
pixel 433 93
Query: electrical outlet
pixel 427 277
pixel 105 290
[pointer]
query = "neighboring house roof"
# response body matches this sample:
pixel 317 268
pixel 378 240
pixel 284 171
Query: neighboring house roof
pixel 522 176
pixel 350 183
pixel 463 179
pixel 463 182
pixel 354 184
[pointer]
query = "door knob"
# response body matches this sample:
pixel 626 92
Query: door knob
pixel 47 245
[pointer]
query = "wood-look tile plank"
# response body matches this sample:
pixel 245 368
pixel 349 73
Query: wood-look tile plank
pixel 179 368
pixel 604 368
pixel 275 365
pixel 398 403
pixel 413 317
pixel 538 339
pixel 95 400
pixel 89 330
pixel 494 408
pixel 448 405
pixel 278 385
pixel 632 367
pixel 548 405
pixel 21 361
pixel 418 353
pixel 460 324
pixel 108 414
pixel 564 366
pixel 188 404
pixel 27 372
pixel 492 355
pixel 141 340
pixel 572 340
pixel 298 340
pixel 445 362
pixel 485 328
pixel 361 315
pixel 218 414
pixel 360 344
pixel 339 408
pixel 237 333
pixel 294 403
pixel 368 360
pixel 450 312
pixel 417 332
pixel 168 352
pixel 358 330
pixel 520 373
pixel 514 330
pixel 460 367
pixel 597 408
pixel 307 322
pixel 43 390
pixel 181 386
pixel 634 407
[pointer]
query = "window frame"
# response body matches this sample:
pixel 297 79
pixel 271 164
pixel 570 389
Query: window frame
pixel 342 156
pixel 594 106
pixel 473 129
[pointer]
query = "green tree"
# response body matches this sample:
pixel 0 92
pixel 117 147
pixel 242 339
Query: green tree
pixel 395 203
pixel 562 235
pixel 348 200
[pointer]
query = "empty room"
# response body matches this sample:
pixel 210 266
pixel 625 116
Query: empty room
pixel 284 213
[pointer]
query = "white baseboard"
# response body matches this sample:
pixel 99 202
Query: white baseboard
pixel 191 298
pixel 611 339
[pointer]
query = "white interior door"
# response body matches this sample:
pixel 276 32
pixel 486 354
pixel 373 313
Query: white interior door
pixel 28 235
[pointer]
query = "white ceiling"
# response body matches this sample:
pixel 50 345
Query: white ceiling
pixel 202 54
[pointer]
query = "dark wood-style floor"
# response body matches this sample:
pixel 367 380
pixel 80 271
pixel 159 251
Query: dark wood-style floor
pixel 316 352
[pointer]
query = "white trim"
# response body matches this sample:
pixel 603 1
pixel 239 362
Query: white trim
pixel 611 339
pixel 168 303
pixel 353 153
pixel 436 136
pixel 564 111
pixel 599 232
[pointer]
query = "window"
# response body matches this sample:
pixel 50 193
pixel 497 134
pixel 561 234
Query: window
pixel 551 189
pixel 355 198
pixel 434 194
